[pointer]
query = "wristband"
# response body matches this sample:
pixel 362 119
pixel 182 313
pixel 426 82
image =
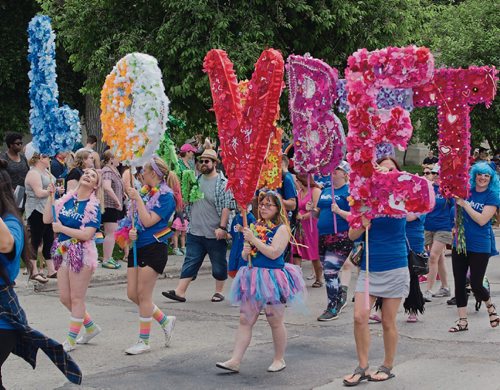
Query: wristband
pixel 223 228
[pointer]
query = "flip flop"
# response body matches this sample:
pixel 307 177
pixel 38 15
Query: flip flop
pixel 362 377
pixel 172 295
pixel 217 297
pixel 383 370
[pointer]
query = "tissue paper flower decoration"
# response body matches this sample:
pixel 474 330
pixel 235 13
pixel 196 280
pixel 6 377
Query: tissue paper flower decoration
pixel 386 97
pixel 54 129
pixel 134 108
pixel 244 134
pixel 454 91
pixel 375 193
pixel 319 140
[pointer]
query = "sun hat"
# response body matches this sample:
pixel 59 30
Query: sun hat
pixel 209 153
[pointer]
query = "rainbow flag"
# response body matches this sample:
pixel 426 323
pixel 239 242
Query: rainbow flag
pixel 164 234
pixel 99 238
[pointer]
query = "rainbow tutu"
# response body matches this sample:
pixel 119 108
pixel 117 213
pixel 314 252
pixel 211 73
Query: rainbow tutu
pixel 259 287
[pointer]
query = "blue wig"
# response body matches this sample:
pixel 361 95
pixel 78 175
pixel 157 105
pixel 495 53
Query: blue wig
pixel 483 167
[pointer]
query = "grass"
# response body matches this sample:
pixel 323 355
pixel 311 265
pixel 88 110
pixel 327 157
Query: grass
pixel 413 168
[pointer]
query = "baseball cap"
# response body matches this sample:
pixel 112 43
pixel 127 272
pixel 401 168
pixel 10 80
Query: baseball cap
pixel 435 168
pixel 188 148
pixel 344 165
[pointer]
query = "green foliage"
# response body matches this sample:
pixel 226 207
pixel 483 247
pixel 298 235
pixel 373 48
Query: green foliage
pixel 98 33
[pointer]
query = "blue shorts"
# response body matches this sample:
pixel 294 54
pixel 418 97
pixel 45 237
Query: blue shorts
pixel 197 247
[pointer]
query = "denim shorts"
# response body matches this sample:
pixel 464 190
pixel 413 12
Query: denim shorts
pixel 197 247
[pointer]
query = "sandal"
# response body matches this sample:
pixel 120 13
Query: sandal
pixel 172 295
pixel 495 321
pixel 217 297
pixel 111 264
pixel 317 284
pixel 39 278
pixel 382 370
pixel 362 376
pixel 460 327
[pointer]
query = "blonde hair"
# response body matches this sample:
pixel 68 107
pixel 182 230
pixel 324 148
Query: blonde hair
pixel 79 159
pixel 170 178
pixel 107 156
pixel 34 159
pixel 280 218
pixel 99 191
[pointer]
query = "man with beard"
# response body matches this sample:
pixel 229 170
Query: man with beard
pixel 207 230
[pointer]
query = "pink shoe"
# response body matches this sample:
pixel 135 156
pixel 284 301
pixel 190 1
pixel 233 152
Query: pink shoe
pixel 422 279
pixel 375 319
pixel 412 318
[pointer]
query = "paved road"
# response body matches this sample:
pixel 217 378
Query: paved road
pixel 318 354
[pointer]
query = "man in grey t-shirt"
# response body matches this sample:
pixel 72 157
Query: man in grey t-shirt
pixel 207 230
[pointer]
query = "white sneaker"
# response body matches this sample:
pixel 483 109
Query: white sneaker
pixel 178 252
pixel 67 346
pixel 442 292
pixel 169 329
pixel 138 348
pixel 428 296
pixel 87 336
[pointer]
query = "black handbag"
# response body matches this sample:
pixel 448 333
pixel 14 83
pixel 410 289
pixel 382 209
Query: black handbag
pixel 356 253
pixel 419 262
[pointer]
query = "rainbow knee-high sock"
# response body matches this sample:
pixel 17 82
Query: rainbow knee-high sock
pixel 75 325
pixel 145 329
pixel 88 323
pixel 159 316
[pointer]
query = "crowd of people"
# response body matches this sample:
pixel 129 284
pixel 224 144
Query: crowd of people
pixel 66 200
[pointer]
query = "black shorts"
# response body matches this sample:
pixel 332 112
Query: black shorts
pixel 154 255
pixel 111 215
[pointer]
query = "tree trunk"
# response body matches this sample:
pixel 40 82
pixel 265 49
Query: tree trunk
pixel 93 120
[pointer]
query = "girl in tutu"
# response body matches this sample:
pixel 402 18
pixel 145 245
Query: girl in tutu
pixel 266 283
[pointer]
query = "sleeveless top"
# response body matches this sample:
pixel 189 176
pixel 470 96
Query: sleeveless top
pixel 263 261
pixel 32 201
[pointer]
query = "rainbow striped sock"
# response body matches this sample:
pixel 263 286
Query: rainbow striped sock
pixel 145 329
pixel 159 316
pixel 75 325
pixel 88 323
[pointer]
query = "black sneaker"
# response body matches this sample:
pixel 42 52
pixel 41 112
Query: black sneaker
pixel 329 315
pixel 452 301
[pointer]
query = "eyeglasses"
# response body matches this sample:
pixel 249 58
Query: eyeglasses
pixel 205 161
pixel 267 206
pixel 18 143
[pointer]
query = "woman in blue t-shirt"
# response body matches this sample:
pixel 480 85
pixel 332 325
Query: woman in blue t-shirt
pixel 269 283
pixel 437 226
pixel 478 210
pixel 151 209
pixel 78 216
pixel 334 246
pixel 389 279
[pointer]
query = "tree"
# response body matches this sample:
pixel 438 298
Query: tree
pixel 462 34
pixel 97 33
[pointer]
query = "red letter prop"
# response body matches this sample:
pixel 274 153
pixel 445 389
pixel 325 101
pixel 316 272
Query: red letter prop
pixel 244 134
pixel 317 132
pixel 453 91
pixel 374 193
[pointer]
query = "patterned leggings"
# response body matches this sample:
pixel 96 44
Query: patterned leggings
pixel 333 252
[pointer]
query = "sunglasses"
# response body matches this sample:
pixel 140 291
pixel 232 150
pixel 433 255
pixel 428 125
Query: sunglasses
pixel 427 173
pixel 208 161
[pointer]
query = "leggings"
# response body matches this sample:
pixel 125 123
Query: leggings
pixel 40 232
pixel 8 340
pixel 477 262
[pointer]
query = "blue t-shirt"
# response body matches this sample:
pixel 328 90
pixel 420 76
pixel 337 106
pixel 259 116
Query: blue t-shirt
pixel 71 215
pixel 287 189
pixel 478 238
pixel 325 221
pixel 387 241
pixel 235 259
pixel 165 208
pixel 11 266
pixel 265 262
pixel 415 234
pixel 438 220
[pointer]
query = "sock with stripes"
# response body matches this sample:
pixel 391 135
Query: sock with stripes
pixel 88 323
pixel 145 329
pixel 75 325
pixel 159 316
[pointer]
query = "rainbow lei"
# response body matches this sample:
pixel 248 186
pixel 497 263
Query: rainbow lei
pixel 261 230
